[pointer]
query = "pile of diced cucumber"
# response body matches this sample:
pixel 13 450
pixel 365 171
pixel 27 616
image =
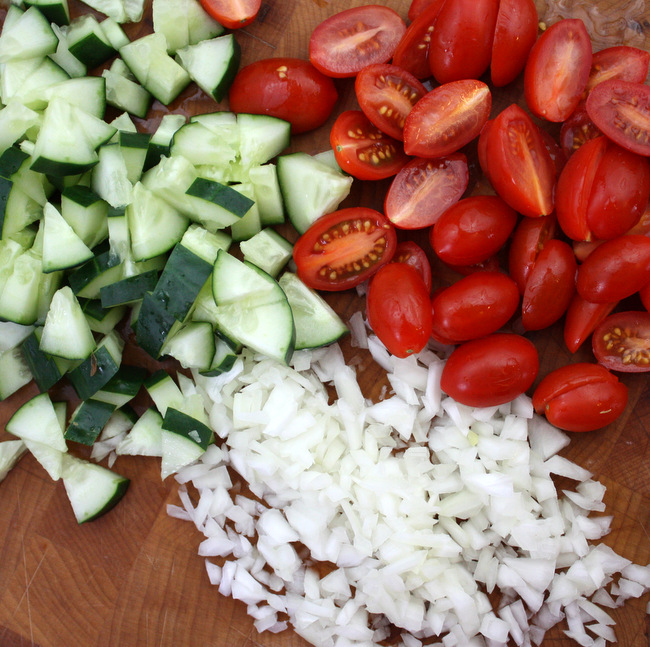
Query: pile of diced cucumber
pixel 173 230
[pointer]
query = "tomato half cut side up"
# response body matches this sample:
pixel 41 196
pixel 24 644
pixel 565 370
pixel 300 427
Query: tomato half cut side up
pixel 621 110
pixel 620 62
pixel 386 95
pixel 621 342
pixel 412 254
pixel 557 70
pixel 424 189
pixel 344 248
pixel 515 34
pixel 232 14
pixel 343 44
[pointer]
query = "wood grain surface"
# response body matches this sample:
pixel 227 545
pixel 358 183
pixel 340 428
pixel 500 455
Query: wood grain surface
pixel 133 577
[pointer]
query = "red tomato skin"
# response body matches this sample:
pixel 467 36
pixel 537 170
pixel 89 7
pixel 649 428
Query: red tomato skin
pixel 616 269
pixel 398 309
pixel 288 88
pixel 644 293
pixel 424 188
pixel 472 230
pixel 362 150
pixel 418 7
pixel 576 130
pixel 515 34
pixel 491 264
pixel 349 241
pixel 620 62
pixel 447 118
pixel 621 342
pixel 550 286
pixel 518 163
pixel 412 254
pixel 557 70
pixel 335 45
pixel 580 397
pixel 491 370
pixel 581 320
pixel 381 86
pixel 461 43
pixel 232 15
pixel 475 306
pixel 620 110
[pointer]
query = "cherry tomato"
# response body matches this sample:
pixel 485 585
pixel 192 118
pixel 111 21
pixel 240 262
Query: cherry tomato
pixel 424 188
pixel 419 6
pixel 489 265
pixel 344 248
pixel 602 191
pixel 447 118
pixel 558 156
pixel 621 342
pixel 514 35
pixel 581 320
pixel 232 14
pixel 615 270
pixel 550 286
pixel 577 129
pixel 621 110
pixel 412 53
pixel 472 230
pixel 386 95
pixel 518 163
pixel 557 70
pixel 412 254
pixel 476 305
pixel 362 150
pixel 618 62
pixel 346 42
pixel 398 309
pixel 287 88
pixel 491 370
pixel 580 397
pixel 528 240
pixel 461 43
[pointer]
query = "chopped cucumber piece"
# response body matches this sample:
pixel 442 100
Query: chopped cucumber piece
pixel 37 420
pixel 30 36
pixel 11 451
pixel 62 247
pixel 184 439
pixel 163 391
pixel 183 23
pixel 14 372
pixel 268 250
pixel 193 345
pixel 88 420
pixel 145 437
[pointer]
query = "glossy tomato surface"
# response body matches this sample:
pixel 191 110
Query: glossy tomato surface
pixel 476 305
pixel 424 188
pixel 364 151
pixel 472 230
pixel 577 129
pixel 288 88
pixel 344 248
pixel 580 397
pixel 412 254
pixel 491 370
pixel 386 94
pixel 232 14
pixel 581 320
pixel 399 309
pixel 620 62
pixel 346 42
pixel 447 118
pixel 557 70
pixel 621 342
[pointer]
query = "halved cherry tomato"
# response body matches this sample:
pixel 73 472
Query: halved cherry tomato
pixel 558 156
pixel 424 188
pixel 550 286
pixel 232 14
pixel 519 165
pixel 528 240
pixel 615 270
pixel 514 35
pixel 461 43
pixel 386 95
pixel 412 254
pixel 287 88
pixel 581 320
pixel 621 110
pixel 476 305
pixel 622 342
pixel 618 62
pixel 343 44
pixel 447 118
pixel 362 150
pixel 602 191
pixel 398 309
pixel 472 230
pixel 557 70
pixel 491 370
pixel 580 397
pixel 577 129
pixel 344 248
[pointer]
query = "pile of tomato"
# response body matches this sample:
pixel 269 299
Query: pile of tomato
pixel 570 215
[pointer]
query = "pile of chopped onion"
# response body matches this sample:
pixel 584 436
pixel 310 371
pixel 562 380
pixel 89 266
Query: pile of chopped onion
pixel 415 517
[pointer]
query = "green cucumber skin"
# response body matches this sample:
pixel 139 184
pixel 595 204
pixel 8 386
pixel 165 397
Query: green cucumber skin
pixel 93 373
pixel 120 490
pixel 90 270
pixel 153 326
pixel 127 380
pixel 44 369
pixel 133 288
pixel 11 160
pixel 180 423
pixel 89 421
pixel 220 194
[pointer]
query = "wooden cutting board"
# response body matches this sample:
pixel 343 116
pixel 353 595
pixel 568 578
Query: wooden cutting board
pixel 133 577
